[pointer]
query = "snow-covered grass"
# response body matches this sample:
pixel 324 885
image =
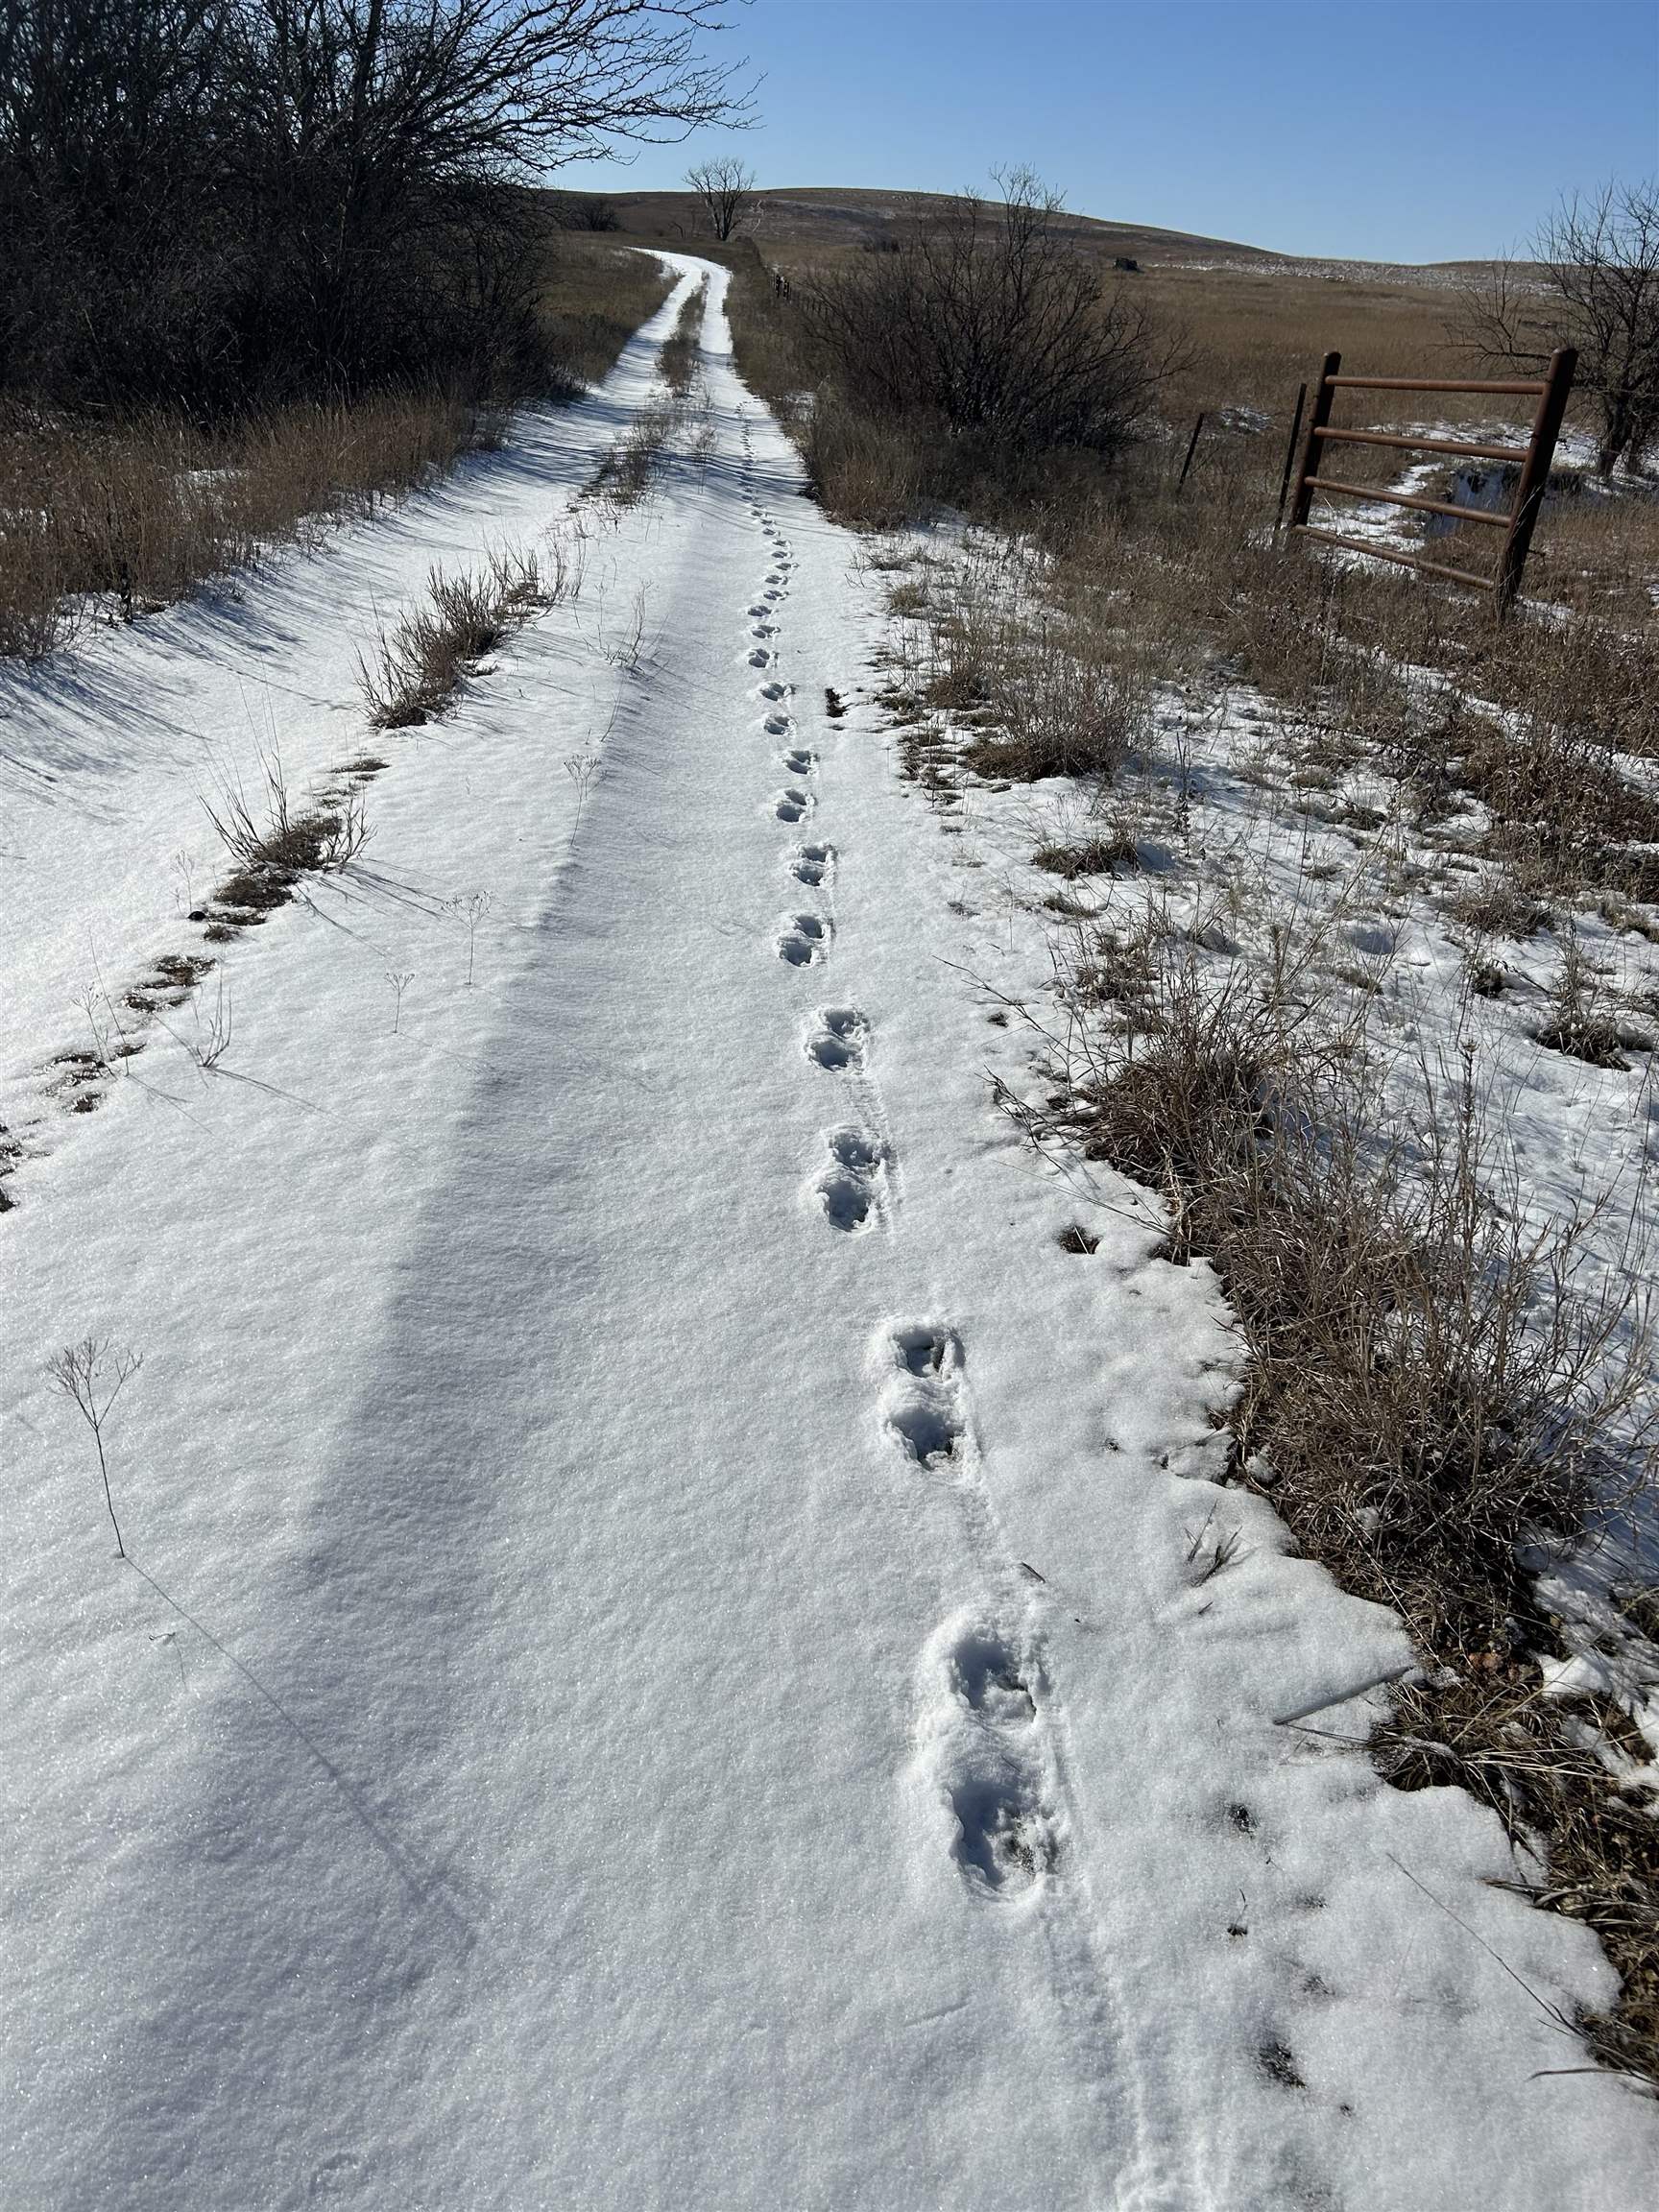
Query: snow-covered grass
pixel 1420 1164
pixel 684 1636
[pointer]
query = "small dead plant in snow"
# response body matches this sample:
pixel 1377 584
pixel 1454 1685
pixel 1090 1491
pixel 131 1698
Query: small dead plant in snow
pixel 92 1375
pixel 274 854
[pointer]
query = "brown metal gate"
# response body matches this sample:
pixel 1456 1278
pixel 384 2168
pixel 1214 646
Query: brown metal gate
pixel 1516 522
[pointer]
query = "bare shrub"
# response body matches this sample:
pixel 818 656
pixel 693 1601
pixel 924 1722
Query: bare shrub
pixel 594 213
pixel 991 319
pixel 217 203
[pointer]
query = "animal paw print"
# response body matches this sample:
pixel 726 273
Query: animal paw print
pixel 852 1189
pixel 805 940
pixel 838 1039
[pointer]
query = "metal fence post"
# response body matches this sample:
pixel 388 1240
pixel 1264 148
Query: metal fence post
pixel 1294 440
pixel 1192 448
pixel 1316 421
pixel 1534 476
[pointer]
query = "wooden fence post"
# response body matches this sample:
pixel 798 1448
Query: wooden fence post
pixel 1295 439
pixel 1534 476
pixel 1316 421
pixel 1192 448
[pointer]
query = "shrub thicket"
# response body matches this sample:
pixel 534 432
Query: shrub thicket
pixel 210 204
pixel 992 321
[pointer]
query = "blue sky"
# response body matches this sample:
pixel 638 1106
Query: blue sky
pixel 1435 129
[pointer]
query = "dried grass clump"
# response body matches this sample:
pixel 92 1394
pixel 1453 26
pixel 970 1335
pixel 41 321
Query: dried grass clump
pixel 275 852
pixel 1093 857
pixel 682 348
pixel 629 469
pixel 1581 1023
pixel 872 471
pixel 415 668
pixel 1431 1384
pixel 1058 707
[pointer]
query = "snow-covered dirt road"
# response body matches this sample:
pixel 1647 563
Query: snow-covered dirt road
pixel 666 1658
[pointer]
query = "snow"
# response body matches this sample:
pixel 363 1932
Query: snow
pixel 659 1663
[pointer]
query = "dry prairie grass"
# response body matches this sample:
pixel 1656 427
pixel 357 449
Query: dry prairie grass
pixel 680 347
pixel 415 668
pixel 594 299
pixel 138 515
pixel 1431 1385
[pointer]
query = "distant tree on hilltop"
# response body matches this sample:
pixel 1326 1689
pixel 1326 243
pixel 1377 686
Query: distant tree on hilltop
pixel 727 191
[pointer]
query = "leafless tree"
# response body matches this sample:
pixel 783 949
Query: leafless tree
pixel 992 318
pixel 589 215
pixel 727 191
pixel 202 196
pixel 1593 283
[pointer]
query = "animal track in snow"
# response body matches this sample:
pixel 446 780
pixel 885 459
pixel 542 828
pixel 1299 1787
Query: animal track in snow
pixel 1005 1831
pixel 779 725
pixel 760 658
pixel 813 865
pixel 850 1192
pixel 837 1042
pixel 774 691
pixel 799 763
pixel 793 805
pixel 987 1755
pixel 923 1408
pixel 924 1349
pixel 764 630
pixel 805 940
pixel 990 1679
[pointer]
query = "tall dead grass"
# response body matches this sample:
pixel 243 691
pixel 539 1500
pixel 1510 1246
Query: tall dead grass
pixel 112 519
pixel 1432 1383
pixel 412 671
pixel 132 518
pixel 593 297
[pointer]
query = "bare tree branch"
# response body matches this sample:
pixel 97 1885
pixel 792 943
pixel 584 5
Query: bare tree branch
pixel 1593 283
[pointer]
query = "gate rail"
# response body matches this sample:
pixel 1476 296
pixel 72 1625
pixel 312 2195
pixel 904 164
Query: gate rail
pixel 1517 522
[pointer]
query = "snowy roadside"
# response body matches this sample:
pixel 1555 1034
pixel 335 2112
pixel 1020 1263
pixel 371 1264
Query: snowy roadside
pixel 669 1659
pixel 108 753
